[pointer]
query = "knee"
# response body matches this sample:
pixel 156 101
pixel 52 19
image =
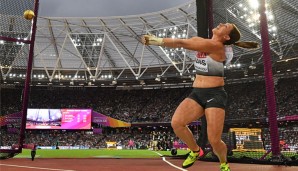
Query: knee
pixel 176 124
pixel 214 141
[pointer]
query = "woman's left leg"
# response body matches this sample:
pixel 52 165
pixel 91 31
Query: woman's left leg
pixel 215 122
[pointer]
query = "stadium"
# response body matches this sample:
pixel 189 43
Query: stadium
pixel 84 93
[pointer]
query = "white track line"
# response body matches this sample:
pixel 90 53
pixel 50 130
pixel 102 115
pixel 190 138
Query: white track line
pixel 30 167
pixel 169 163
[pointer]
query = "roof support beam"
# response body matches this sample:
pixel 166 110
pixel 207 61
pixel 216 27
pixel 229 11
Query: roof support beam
pixel 290 7
pixel 127 64
pixel 102 51
pixel 54 41
pixel 148 47
pixel 110 32
pixel 81 57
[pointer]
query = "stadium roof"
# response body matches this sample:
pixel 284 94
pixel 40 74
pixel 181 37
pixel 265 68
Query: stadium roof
pixel 107 50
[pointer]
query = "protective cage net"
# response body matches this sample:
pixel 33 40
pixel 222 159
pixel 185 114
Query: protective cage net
pixel 253 145
pixel 251 140
pixel 13 64
pixel 248 142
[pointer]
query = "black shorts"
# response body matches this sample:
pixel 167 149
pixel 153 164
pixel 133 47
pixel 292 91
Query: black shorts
pixel 210 97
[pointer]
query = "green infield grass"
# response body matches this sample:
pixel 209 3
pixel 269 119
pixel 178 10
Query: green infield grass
pixel 96 153
pixel 106 153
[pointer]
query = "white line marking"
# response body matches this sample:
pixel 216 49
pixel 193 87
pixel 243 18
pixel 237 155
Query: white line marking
pixel 169 163
pixel 40 168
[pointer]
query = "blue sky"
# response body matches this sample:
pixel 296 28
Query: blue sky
pixel 103 8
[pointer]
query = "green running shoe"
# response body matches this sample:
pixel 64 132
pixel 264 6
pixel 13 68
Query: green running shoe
pixel 224 167
pixel 192 157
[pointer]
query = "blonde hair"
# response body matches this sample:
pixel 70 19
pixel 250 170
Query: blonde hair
pixel 235 36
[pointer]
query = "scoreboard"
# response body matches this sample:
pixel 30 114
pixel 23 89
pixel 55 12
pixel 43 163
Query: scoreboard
pixel 58 119
pixel 248 139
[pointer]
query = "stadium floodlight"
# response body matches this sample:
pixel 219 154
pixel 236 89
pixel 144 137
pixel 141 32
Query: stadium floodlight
pixel 247 12
pixel 178 31
pixel 254 4
pixel 157 79
pixel 142 82
pixel 114 82
pixel 89 46
pixel 192 78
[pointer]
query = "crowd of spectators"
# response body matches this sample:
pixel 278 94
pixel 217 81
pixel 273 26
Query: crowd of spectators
pixel 155 138
pixel 142 138
pixel 246 100
pixel 288 137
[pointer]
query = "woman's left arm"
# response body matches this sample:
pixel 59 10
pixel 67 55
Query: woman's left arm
pixel 194 43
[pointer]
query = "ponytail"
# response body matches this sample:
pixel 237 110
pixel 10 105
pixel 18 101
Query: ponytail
pixel 235 36
pixel 248 45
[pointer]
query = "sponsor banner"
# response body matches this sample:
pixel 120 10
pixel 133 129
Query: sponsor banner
pixel 46 147
pixel 62 147
pixel 14 118
pixel 5 147
pixel 111 144
pixel 108 121
pixel 288 118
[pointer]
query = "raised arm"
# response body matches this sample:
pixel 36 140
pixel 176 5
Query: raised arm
pixel 194 43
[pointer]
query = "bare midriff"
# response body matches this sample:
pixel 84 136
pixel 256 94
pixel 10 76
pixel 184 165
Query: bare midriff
pixel 208 81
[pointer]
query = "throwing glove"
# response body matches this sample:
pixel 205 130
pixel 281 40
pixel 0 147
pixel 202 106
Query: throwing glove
pixel 152 40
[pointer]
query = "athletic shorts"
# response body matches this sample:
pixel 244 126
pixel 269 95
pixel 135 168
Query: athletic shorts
pixel 210 97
